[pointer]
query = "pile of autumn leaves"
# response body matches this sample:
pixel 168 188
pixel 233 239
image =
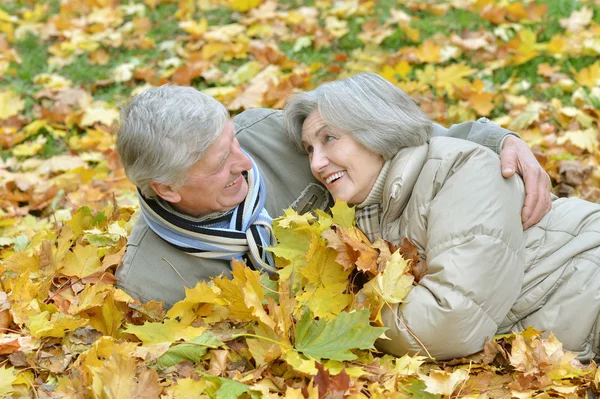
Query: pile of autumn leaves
pixel 69 332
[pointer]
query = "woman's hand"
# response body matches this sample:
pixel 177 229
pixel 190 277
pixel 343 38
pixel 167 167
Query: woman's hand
pixel 517 156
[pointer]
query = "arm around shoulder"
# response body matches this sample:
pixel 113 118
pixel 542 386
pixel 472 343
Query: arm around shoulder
pixel 483 132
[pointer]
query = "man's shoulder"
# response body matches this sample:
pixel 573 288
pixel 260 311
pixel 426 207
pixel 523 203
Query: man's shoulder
pixel 251 117
pixel 154 270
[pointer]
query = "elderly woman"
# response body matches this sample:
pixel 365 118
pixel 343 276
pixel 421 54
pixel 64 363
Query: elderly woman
pixel 371 146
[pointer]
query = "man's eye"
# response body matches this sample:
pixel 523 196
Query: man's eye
pixel 308 149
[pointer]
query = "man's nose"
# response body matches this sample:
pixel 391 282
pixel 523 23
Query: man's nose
pixel 242 163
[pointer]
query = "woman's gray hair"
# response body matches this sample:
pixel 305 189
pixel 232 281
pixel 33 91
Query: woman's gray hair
pixel 379 115
pixel 164 131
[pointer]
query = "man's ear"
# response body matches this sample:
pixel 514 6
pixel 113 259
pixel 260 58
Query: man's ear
pixel 166 192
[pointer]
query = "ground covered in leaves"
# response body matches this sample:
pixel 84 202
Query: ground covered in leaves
pixel 66 207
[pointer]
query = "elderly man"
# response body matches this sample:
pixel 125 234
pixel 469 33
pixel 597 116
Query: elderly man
pixel 209 186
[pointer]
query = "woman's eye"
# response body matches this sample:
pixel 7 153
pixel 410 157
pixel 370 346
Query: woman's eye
pixel 329 138
pixel 308 150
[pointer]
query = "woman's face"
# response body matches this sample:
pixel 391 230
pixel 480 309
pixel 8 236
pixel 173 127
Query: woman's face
pixel 347 168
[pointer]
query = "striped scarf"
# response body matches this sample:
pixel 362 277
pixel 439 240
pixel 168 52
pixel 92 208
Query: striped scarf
pixel 247 228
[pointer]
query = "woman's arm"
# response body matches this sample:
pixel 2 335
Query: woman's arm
pixel 473 247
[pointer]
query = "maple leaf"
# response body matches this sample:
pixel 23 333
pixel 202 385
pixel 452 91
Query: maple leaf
pixel 195 298
pixel 168 331
pixel 322 268
pixel 331 386
pixel 588 77
pixel 186 388
pixel 291 216
pixel 408 365
pixel 82 261
pixel 108 318
pixel 452 76
pixel 264 351
pixel 192 350
pixel 7 377
pixel 343 215
pixel 584 139
pixel 333 339
pixel 98 112
pixel 243 5
pixel 527 117
pixel 55 325
pixel 527 47
pixel 325 301
pixel 353 248
pixel 300 363
pixel 116 377
pixel 442 382
pixel 10 104
pixel 395 282
pixel 578 20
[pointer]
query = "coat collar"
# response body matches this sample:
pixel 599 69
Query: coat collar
pixel 402 176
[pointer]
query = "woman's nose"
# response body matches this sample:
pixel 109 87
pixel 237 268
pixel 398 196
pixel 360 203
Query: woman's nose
pixel 318 161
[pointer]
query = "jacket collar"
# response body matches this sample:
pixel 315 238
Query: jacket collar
pixel 403 173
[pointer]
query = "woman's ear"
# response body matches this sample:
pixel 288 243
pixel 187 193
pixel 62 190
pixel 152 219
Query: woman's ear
pixel 166 192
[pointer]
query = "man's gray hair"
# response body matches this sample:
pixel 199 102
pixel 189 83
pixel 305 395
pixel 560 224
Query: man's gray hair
pixel 164 131
pixel 379 115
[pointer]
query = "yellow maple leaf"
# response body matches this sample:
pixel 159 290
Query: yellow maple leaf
pixel 169 330
pixel 10 104
pixel 299 362
pixel 82 261
pixel 325 302
pixel 527 47
pixel 395 282
pixel 108 317
pixel 115 378
pixel 98 112
pixel 322 268
pixel 52 81
pixel 452 76
pixel 264 351
pixel 482 102
pixel 243 5
pixel 343 215
pixel 291 216
pixel 44 325
pixel 31 148
pixel 90 297
pixel 409 365
pixel 429 52
pixel 557 45
pixel 194 28
pixel 186 388
pixel 522 356
pixel 588 77
pixel 443 382
pixel 527 117
pixel 337 27
pixel 584 139
pixel 243 294
pixel 195 297
pixel 7 377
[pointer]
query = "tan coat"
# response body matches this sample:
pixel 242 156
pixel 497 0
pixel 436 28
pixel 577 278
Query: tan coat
pixel 485 275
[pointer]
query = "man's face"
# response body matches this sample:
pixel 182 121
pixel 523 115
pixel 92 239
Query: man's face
pixel 215 183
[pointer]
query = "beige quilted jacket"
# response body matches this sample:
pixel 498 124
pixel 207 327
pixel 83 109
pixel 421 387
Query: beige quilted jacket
pixel 485 275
